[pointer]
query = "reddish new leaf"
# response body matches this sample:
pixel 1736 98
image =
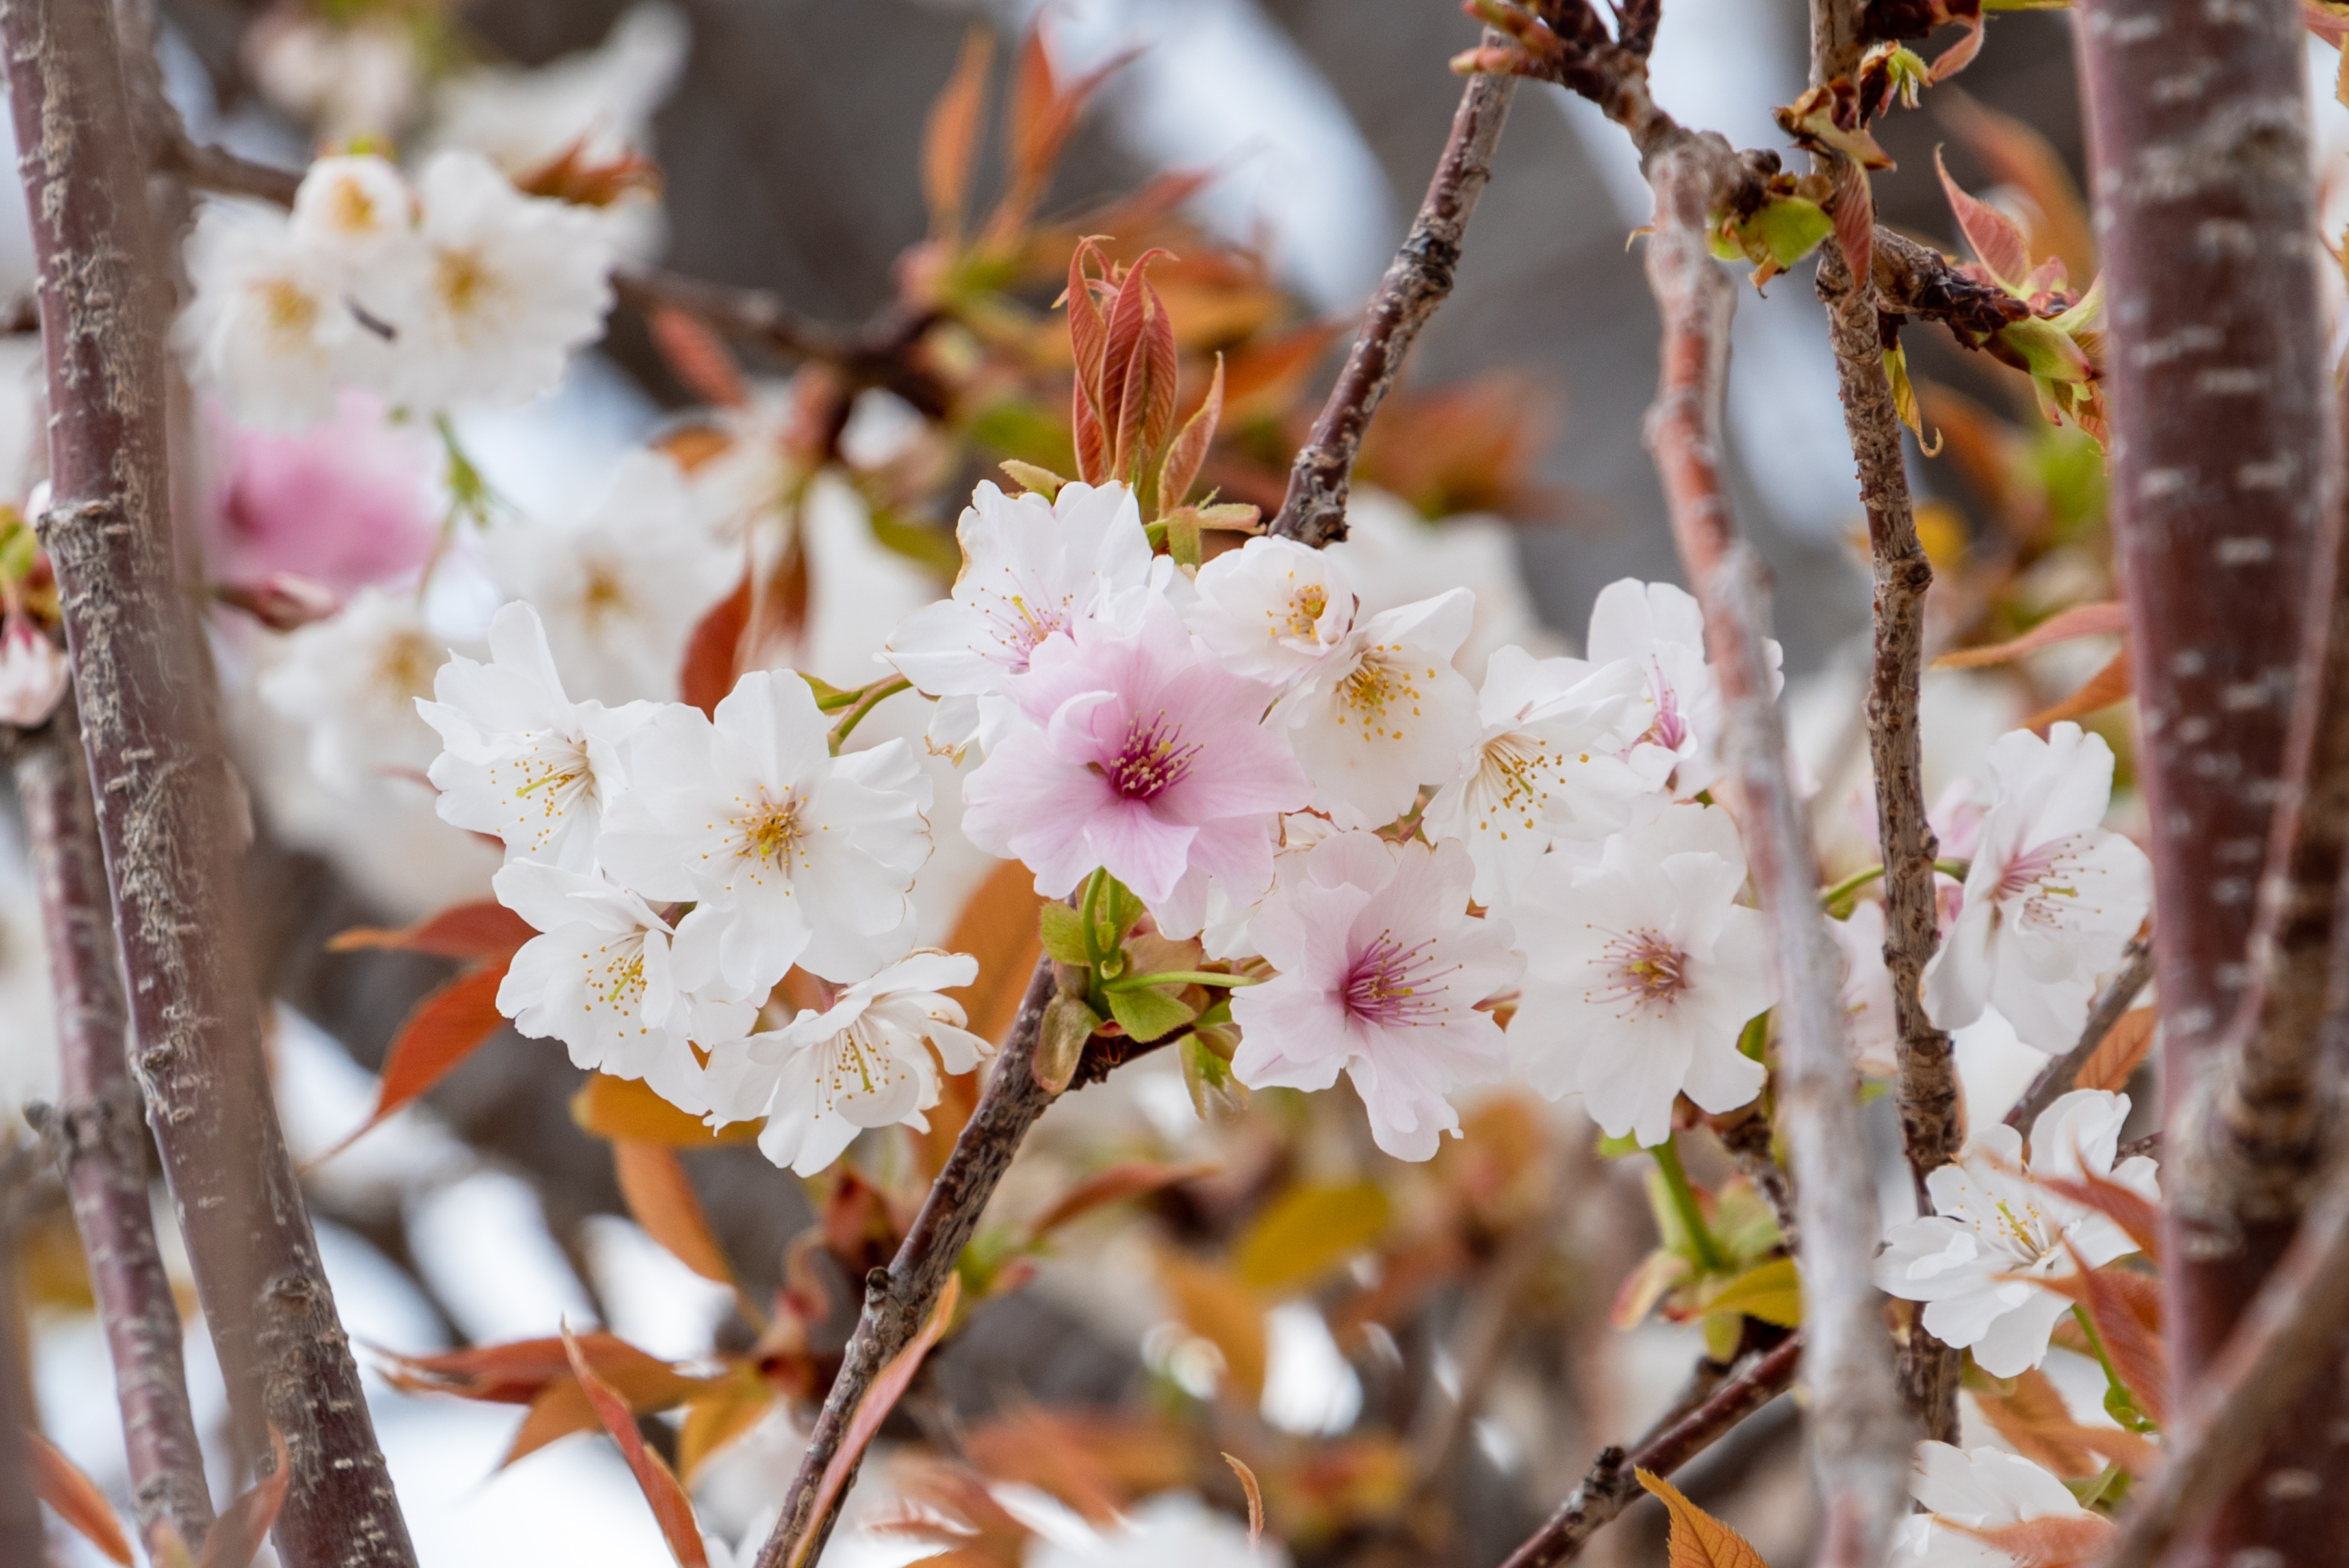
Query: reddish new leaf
pixel 1255 1500
pixel 950 142
pixel 1959 54
pixel 2118 1303
pixel 446 1027
pixel 77 1500
pixel 1189 452
pixel 1996 238
pixel 1088 341
pixel 2019 156
pixel 2106 687
pixel 2138 1219
pixel 519 1372
pixel 2080 620
pixel 652 1181
pixel 1126 364
pixel 477 932
pixel 1698 1540
pixel 2119 1054
pixel 235 1538
pixel 709 652
pixel 696 357
pixel 2064 1541
pixel 873 1408
pixel 670 1506
pixel 1135 1179
pixel 2036 1420
pixel 1855 217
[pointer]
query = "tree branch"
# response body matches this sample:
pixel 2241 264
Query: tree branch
pixel 898 1299
pixel 162 782
pixel 2291 1329
pixel 1611 1485
pixel 95 1133
pixel 1416 282
pixel 2057 1078
pixel 1860 1439
pixel 1932 1115
pixel 22 1534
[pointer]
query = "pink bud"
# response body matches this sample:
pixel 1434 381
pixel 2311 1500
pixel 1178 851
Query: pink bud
pixel 282 602
pixel 32 674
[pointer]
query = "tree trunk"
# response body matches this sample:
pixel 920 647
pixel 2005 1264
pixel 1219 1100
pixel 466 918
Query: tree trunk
pixel 169 813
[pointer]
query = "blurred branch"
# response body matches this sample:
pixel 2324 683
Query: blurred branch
pixel 1608 1487
pixel 162 782
pixel 1860 1439
pixel 2057 1078
pixel 2284 1337
pixel 95 1133
pixel 1417 281
pixel 22 1534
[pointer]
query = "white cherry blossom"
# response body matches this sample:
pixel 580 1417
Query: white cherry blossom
pixel 1385 711
pixel 521 760
pixel 1642 973
pixel 2051 897
pixel 358 210
pixel 1970 1497
pixel 353 682
pixel 1659 628
pixel 1383 974
pixel 504 288
pixel 866 1060
pixel 620 589
pixel 1995 1230
pixel 616 983
pixel 1029 568
pixel 33 673
pixel 1871 1033
pixel 268 330
pixel 1172 1530
pixel 1558 759
pixel 1273 608
pixel 806 857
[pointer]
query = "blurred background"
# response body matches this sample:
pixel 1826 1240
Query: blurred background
pixel 1433 1360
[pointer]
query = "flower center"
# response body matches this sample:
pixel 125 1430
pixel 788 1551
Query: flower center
pixel 771 832
pixel 860 1065
pixel 462 280
pixel 1305 607
pixel 1514 774
pixel 1670 729
pixel 290 313
pixel 1022 624
pixel 2042 877
pixel 1395 985
pixel 1644 970
pixel 352 210
pixel 616 977
pixel 404 666
pixel 553 777
pixel 1376 691
pixel 605 593
pixel 1152 759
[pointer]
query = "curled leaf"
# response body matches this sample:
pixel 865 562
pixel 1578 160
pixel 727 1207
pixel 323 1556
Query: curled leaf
pixel 2100 619
pixel 670 1506
pixel 1996 238
pixel 1189 452
pixel 77 1500
pixel 1254 1499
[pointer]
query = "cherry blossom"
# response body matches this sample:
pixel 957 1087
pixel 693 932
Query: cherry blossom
pixel 2051 897
pixel 1172 1530
pixel 1871 1031
pixel 1558 760
pixel 598 102
pixel 345 503
pixel 1142 755
pixel 1385 711
pixel 1383 974
pixel 622 587
pixel 1032 568
pixel 866 1060
pixel 33 673
pixel 616 983
pixel 1995 1230
pixel 1970 1496
pixel 807 857
pixel 522 760
pixel 505 287
pixel 1642 973
pixel 269 330
pixel 1273 609
pixel 353 682
pixel 1659 628
pixel 358 210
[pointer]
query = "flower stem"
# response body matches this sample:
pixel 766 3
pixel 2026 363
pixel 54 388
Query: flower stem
pixel 1848 886
pixel 1089 919
pixel 1710 1258
pixel 866 700
pixel 1182 977
pixel 2119 1403
pixel 1953 870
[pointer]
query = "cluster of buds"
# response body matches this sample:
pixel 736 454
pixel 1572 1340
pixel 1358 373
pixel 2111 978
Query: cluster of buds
pixel 32 671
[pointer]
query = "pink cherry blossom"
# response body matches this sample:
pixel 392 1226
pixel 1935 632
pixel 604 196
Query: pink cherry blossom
pixel 1141 755
pixel 348 503
pixel 1383 973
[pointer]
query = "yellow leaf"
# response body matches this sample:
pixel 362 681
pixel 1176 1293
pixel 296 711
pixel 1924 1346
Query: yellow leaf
pixel 1213 1303
pixel 1308 1232
pixel 625 1108
pixel 1772 1293
pixel 2123 1049
pixel 662 1201
pixel 1699 1540
pixel 719 1414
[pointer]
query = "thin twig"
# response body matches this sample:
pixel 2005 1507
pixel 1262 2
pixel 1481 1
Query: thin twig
pixel 1416 282
pixel 1860 1437
pixel 21 1532
pixel 95 1133
pixel 898 1299
pixel 2291 1330
pixel 1932 1114
pixel 1611 1485
pixel 162 778
pixel 2119 994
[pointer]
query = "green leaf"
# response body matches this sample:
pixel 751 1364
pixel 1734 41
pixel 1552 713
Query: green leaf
pixel 829 698
pixel 1060 1041
pixel 2048 352
pixel 1773 1293
pixel 1207 1072
pixel 1788 229
pixel 1182 977
pixel 934 549
pixel 1148 1015
pixel 1063 930
pixel 1309 1231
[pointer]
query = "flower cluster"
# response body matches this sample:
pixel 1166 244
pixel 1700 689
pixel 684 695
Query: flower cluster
pixel 455 288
